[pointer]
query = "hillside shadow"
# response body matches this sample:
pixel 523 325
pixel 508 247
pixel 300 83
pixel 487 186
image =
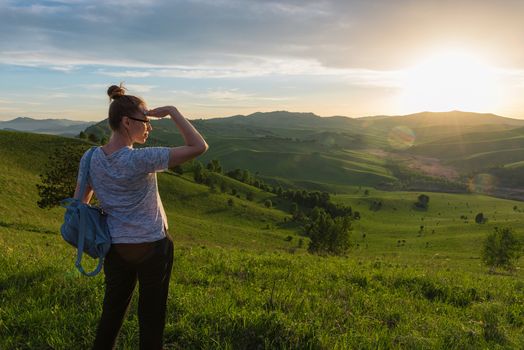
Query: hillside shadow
pixel 25 227
pixel 216 211
pixel 288 225
pixel 23 281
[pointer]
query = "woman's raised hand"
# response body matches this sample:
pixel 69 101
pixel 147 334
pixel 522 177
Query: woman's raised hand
pixel 161 112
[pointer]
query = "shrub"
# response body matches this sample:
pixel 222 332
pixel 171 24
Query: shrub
pixel 501 249
pixel 422 202
pixel 480 219
pixel 93 138
pixel 199 174
pixel 375 206
pixel 268 203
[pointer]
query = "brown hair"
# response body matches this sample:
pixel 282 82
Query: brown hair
pixel 121 105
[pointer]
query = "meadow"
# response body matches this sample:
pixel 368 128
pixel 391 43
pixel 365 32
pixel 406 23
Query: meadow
pixel 243 279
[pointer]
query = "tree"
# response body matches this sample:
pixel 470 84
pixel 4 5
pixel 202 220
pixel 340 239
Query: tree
pixel 82 135
pixel 198 173
pixel 268 203
pixel 93 138
pixel 329 235
pixel 375 205
pixel 59 177
pixel 501 249
pixel 230 202
pixel 422 202
pixel 214 166
pixel 480 218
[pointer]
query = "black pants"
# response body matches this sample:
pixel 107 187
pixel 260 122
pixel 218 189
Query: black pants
pixel 153 272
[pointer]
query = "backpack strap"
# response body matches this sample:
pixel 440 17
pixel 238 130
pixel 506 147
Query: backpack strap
pixel 81 233
pixel 85 175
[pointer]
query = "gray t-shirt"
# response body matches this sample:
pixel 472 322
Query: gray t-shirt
pixel 126 186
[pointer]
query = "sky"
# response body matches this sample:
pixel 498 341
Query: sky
pixel 217 58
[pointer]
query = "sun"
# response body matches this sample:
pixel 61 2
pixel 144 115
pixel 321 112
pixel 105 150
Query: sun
pixel 450 81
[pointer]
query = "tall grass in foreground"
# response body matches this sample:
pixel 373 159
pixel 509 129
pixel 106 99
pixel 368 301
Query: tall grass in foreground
pixel 236 299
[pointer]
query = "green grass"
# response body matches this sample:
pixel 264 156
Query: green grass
pixel 238 282
pixel 444 233
pixel 231 298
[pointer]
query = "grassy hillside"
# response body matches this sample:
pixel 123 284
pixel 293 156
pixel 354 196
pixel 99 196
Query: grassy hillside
pixel 449 229
pixel 239 282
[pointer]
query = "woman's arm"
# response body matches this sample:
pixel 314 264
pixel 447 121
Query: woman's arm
pixel 88 193
pixel 195 143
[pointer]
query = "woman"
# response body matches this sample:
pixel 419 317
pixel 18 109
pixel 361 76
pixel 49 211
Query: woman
pixel 125 184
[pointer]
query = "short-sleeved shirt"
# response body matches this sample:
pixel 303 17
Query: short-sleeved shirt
pixel 126 186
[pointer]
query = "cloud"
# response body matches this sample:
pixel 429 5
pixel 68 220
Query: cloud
pixel 372 35
pixel 59 95
pixel 228 95
pixel 364 43
pixel 141 88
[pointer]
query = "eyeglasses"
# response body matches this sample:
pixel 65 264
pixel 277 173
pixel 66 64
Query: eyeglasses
pixel 145 121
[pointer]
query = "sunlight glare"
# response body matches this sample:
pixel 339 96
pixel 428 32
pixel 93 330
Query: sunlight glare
pixel 450 81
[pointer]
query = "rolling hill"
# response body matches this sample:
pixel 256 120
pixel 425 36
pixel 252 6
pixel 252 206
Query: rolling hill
pixel 442 151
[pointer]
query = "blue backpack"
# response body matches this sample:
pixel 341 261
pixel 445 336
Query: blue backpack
pixel 85 226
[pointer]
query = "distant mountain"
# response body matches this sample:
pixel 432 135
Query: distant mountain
pixel 62 127
pixel 434 126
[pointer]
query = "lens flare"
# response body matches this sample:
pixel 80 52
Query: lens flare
pixel 401 137
pixel 483 183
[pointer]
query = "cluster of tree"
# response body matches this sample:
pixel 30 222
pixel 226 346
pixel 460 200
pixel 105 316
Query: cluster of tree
pixel 314 199
pixel 328 235
pixel 246 177
pixel 58 181
pixel 205 175
pixel 93 138
pixel 327 224
pixel 214 166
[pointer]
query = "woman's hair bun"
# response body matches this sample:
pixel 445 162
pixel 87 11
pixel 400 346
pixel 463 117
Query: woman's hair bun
pixel 115 91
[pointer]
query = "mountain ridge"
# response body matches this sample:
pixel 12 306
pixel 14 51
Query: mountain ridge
pixel 53 126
